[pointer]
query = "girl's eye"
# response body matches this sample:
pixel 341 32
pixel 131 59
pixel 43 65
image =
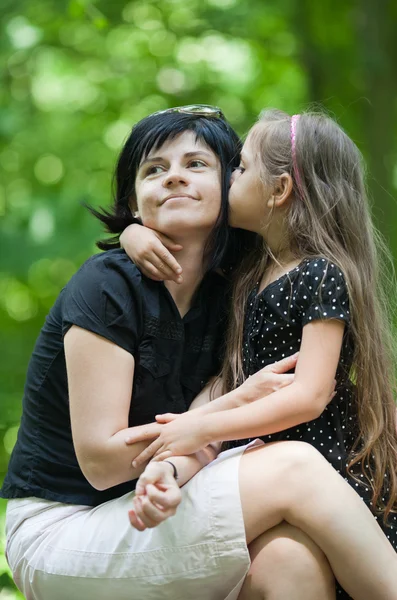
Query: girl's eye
pixel 241 169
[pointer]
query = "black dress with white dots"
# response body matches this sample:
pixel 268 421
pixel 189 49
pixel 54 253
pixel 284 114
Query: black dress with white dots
pixel 274 321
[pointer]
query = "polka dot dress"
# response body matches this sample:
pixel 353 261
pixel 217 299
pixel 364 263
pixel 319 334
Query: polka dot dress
pixel 274 321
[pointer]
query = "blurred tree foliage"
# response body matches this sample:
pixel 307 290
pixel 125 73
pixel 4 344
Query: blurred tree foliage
pixel 75 76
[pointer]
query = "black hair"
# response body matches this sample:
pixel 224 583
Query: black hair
pixel 151 133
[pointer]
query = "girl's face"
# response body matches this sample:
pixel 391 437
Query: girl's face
pixel 248 195
pixel 178 187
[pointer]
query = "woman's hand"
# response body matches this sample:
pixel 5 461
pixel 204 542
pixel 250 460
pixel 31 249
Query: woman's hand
pixel 157 496
pixel 150 251
pixel 181 436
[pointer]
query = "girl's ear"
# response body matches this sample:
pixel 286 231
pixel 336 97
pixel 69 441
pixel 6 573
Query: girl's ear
pixel 282 191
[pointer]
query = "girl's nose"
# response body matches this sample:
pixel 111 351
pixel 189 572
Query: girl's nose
pixel 234 176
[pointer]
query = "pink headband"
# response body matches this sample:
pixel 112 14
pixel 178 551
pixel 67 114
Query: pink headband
pixel 294 121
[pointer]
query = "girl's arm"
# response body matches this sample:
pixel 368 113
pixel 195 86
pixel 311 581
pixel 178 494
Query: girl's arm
pixel 266 381
pixel 303 400
pixel 151 252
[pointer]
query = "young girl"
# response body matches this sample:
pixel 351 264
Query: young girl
pixel 311 286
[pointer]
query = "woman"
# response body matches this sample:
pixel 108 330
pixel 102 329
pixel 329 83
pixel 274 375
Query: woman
pixel 113 332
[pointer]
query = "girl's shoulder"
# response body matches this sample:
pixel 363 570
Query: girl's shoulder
pixel 316 271
pixel 321 290
pixel 320 264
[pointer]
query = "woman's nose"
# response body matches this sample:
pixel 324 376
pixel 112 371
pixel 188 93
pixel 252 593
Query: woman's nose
pixel 174 176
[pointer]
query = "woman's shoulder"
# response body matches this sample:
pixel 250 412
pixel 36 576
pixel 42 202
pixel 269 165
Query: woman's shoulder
pixel 111 269
pixel 103 280
pixel 105 296
pixel 112 260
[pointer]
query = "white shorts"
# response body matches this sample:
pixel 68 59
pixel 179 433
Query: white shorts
pixel 59 551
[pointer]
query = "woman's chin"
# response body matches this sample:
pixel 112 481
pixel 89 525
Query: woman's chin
pixel 183 227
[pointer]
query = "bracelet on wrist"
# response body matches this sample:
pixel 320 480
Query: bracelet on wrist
pixel 174 467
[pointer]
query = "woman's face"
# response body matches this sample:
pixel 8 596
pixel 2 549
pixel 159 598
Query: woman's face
pixel 248 195
pixel 178 187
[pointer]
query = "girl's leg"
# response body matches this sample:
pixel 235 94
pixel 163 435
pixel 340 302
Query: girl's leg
pixel 291 481
pixel 286 563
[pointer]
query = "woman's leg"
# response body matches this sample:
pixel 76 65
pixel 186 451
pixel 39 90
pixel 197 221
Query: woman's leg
pixel 291 481
pixel 287 564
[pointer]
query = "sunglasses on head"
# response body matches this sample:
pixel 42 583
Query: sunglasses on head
pixel 200 110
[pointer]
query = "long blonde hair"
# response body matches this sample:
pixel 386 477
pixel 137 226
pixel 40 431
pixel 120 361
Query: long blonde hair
pixel 331 218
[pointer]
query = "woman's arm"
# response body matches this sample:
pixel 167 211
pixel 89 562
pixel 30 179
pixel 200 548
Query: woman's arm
pixel 100 376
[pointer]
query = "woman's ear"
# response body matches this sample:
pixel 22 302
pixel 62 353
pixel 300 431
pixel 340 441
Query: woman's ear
pixel 133 206
pixel 282 191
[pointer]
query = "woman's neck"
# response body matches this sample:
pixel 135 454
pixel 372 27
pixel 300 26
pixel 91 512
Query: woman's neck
pixel 191 260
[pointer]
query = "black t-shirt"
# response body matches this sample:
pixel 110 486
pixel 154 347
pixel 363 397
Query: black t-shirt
pixel 174 358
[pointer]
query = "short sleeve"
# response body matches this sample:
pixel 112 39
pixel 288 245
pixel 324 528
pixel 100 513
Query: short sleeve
pixel 103 298
pixel 322 292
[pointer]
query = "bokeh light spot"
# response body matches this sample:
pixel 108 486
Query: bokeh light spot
pixel 49 169
pixel 10 438
pixel 22 33
pixel 116 133
pixel 41 225
pixel 18 301
pixel 171 81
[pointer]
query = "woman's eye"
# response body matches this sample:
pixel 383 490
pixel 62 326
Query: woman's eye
pixel 240 168
pixel 154 170
pixel 197 164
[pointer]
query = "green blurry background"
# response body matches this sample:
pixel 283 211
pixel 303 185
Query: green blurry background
pixel 76 75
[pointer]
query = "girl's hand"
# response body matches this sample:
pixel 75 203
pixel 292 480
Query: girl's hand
pixel 264 382
pixel 157 496
pixel 141 433
pixel 167 417
pixel 269 379
pixel 180 437
pixel 150 251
